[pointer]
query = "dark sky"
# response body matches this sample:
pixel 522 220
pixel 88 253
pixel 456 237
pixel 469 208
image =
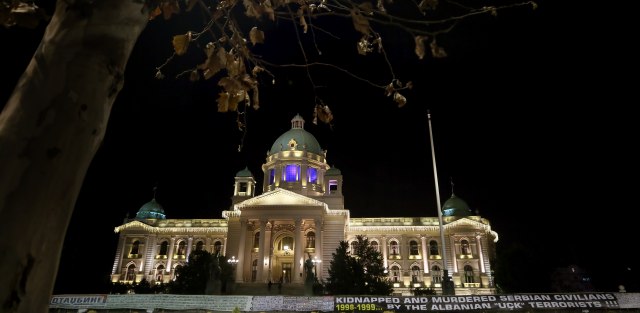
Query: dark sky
pixel 530 120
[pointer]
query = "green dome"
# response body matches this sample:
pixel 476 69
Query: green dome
pixel 455 207
pixel 151 209
pixel 244 173
pixel 333 171
pixel 297 139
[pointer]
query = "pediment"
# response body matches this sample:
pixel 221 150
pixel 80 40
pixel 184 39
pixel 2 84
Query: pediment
pixel 465 222
pixel 280 197
pixel 133 225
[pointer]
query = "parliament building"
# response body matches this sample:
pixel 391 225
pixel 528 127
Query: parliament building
pixel 300 214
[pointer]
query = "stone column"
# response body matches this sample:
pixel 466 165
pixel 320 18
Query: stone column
pixel 241 248
pixel 189 244
pixel 269 242
pixel 318 247
pixel 384 252
pixel 261 247
pixel 298 256
pixel 425 263
pixel 170 253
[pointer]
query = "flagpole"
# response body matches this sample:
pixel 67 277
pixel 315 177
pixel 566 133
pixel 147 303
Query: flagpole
pixel 448 287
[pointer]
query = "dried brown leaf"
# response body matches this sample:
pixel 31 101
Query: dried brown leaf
pixel 256 98
pixel 409 85
pixel 181 43
pixel 154 13
pixel 194 76
pixel 250 9
pixel 235 99
pixel 399 99
pixel 360 23
pixel 256 70
pixel 380 6
pixel 420 49
pixel 229 84
pixel 216 61
pixel 223 102
pixel 366 7
pixel 364 46
pixel 191 4
pixel 303 22
pixel 256 36
pixel 323 113
pixel 169 8
pixel 268 10
pixel 437 51
pixel 389 89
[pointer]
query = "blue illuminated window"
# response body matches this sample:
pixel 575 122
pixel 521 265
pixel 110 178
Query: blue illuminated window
pixel 312 174
pixel 272 176
pixel 292 172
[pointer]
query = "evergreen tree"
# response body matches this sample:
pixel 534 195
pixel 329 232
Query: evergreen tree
pixel 143 287
pixel 192 278
pixel 359 272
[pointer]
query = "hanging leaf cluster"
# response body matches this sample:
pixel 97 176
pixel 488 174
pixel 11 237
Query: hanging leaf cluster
pixel 228 39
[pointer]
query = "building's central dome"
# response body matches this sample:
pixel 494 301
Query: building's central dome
pixel 296 139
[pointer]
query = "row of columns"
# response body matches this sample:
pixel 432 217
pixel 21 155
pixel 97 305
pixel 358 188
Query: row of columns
pixel 267 242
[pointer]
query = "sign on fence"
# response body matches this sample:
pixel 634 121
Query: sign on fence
pixel 512 302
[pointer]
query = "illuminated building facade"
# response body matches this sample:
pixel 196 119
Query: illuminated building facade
pixel 301 214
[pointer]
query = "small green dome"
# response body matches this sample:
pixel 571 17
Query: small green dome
pixel 333 171
pixel 456 207
pixel 296 139
pixel 244 173
pixel 151 209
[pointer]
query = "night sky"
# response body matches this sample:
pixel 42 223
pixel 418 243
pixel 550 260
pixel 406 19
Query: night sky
pixel 529 121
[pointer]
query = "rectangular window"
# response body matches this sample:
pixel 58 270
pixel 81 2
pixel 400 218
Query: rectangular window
pixel 333 186
pixel 292 172
pixel 272 176
pixel 312 175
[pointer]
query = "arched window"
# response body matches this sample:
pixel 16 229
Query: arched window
pixel 199 246
pixel 354 248
pixel 256 240
pixel 159 273
pixel 468 274
pixel 217 247
pixel 394 249
pixel 374 245
pixel 286 244
pixel 436 274
pixel 181 248
pixel 433 247
pixel 131 273
pixel 176 270
pixel 135 247
pixel 254 270
pixel 311 239
pixel 395 273
pixel 413 247
pixel 163 248
pixel 415 274
pixel 464 246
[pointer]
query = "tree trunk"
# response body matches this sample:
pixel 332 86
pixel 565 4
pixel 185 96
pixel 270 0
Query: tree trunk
pixel 50 130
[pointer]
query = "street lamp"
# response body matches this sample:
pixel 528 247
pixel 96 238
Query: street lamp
pixel 315 264
pixel 233 262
